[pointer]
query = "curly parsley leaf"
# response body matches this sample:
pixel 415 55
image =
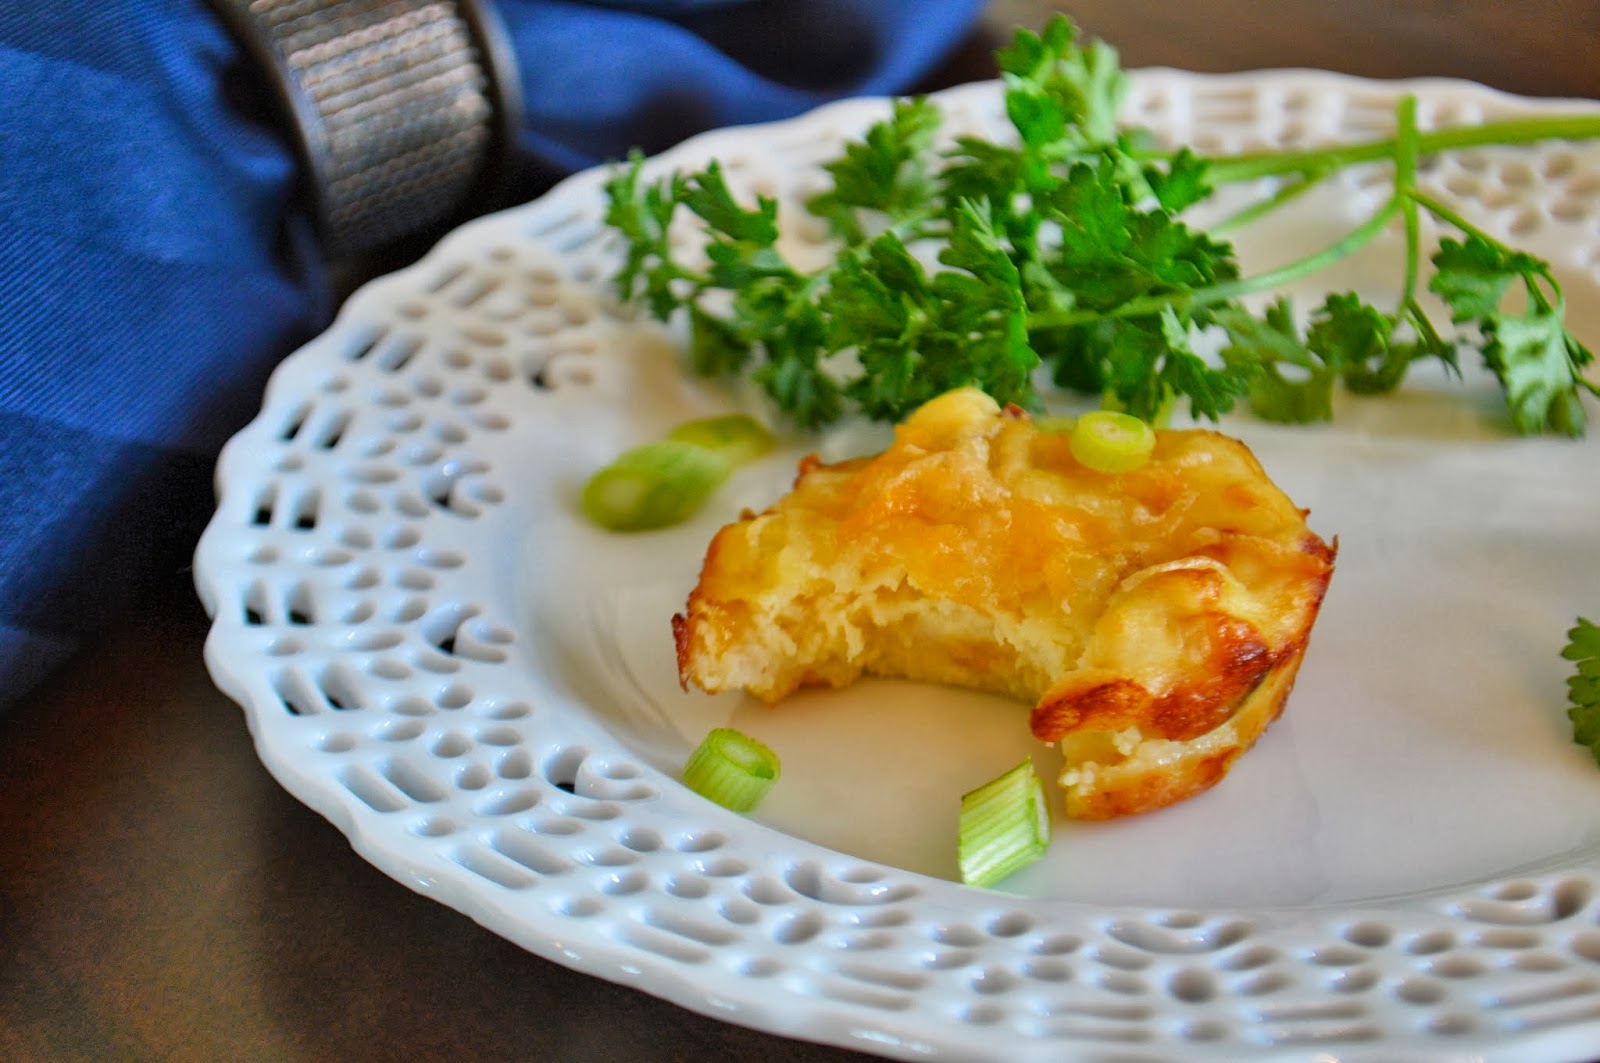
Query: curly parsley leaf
pixel 1473 275
pixel 1583 686
pixel 792 373
pixel 1185 182
pixel 885 171
pixel 1260 347
pixel 1062 92
pixel 983 309
pixel 1537 363
pixel 1211 391
pixel 707 195
pixel 1359 341
pixel 1536 358
pixel 642 215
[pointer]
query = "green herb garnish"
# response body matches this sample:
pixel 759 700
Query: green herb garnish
pixel 653 486
pixel 1110 441
pixel 1583 686
pixel 656 485
pixel 738 437
pixel 732 769
pixel 1066 250
pixel 1004 827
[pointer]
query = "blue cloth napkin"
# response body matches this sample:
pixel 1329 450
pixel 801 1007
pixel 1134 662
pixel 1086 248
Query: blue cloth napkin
pixel 154 264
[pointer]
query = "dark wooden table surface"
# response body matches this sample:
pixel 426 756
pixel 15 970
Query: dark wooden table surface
pixel 162 899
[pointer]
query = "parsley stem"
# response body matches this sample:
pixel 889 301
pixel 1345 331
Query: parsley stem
pixel 1247 167
pixel 1405 183
pixel 1431 340
pixel 1262 207
pixel 1315 262
pixel 1449 216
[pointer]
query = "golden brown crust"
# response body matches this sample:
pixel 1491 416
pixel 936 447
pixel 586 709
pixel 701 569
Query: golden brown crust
pixel 681 640
pixel 1156 618
pixel 1128 787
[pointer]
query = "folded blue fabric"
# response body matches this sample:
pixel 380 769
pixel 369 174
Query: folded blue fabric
pixel 155 265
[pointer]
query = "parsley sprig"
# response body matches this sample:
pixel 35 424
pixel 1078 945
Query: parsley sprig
pixel 1583 686
pixel 1065 249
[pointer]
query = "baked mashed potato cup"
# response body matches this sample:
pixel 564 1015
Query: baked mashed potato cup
pixel 1155 618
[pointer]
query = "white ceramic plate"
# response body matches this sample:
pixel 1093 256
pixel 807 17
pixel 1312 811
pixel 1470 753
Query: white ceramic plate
pixel 434 651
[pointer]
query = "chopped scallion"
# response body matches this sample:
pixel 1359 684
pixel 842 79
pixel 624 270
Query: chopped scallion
pixel 732 769
pixel 1005 826
pixel 1111 441
pixel 736 436
pixel 653 486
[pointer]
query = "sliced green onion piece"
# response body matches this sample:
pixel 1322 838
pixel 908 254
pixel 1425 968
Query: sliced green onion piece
pixel 1111 441
pixel 653 486
pixel 732 769
pixel 1005 826
pixel 736 436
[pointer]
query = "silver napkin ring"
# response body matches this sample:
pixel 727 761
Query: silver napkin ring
pixel 402 109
